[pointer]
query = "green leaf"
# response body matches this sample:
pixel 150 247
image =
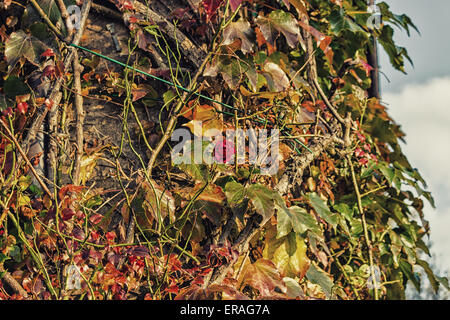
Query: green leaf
pixel 3 258
pixel 235 193
pixel 15 253
pixel 13 87
pixel 321 278
pixel 21 45
pixel 444 282
pixel 293 289
pixel 199 172
pixel 277 22
pixel 433 281
pixel 396 54
pixel 303 221
pixel 289 256
pixel 261 275
pixel 231 70
pixel 408 272
pixel 322 209
pixel 262 199
pixel 340 21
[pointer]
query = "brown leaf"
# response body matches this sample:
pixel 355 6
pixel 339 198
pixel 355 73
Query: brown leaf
pixel 261 275
pixel 239 30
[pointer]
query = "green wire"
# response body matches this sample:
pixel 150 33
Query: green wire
pixel 259 120
pixel 152 76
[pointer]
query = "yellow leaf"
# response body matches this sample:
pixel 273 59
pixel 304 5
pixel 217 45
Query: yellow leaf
pixel 208 128
pixel 288 254
pixel 87 166
pixel 23 200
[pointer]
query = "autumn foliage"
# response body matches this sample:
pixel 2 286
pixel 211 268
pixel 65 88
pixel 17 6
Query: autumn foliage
pixel 341 219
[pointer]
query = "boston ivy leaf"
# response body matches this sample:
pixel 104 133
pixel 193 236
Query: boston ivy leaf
pixel 239 30
pixel 211 7
pixel 323 41
pixel 322 209
pixel 340 21
pixel 262 199
pixel 200 172
pixel 444 282
pixel 293 289
pixel 235 193
pixel 300 5
pixel 13 87
pixel 234 4
pixel 399 20
pixel 303 221
pixel 21 45
pixel 290 256
pixel 297 219
pixel 153 202
pixel 261 275
pixel 230 69
pixel 186 162
pixel 396 54
pixel 321 278
pixel 408 272
pixel 276 78
pixel 278 22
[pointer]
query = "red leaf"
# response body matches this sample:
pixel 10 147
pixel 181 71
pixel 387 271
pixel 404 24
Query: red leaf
pixel 234 4
pixel 67 214
pixel 96 218
pixel 359 152
pixel 126 5
pixel 211 7
pixel 366 67
pixel 8 112
pixel 363 161
pixel 110 236
pixel 49 103
pixel 49 71
pixel 173 289
pixel 95 235
pixel 48 53
pixel 22 107
pixel 224 151
pixel 69 188
pixel 361 137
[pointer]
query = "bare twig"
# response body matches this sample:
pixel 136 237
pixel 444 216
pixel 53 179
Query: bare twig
pixel 12 283
pixel 66 17
pixel 24 156
pixel 173 118
pixel 42 113
pixel 327 102
pixel 79 110
pixel 45 18
pixel 190 51
pixel 364 224
pixel 107 12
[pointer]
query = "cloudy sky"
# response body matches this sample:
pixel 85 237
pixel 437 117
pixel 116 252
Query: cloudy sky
pixel 420 102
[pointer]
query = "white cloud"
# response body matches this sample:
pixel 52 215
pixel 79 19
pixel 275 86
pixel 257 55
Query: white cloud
pixel 424 113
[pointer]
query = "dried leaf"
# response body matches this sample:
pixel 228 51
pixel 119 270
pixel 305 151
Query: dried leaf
pixel 261 275
pixel 239 30
pixel 277 22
